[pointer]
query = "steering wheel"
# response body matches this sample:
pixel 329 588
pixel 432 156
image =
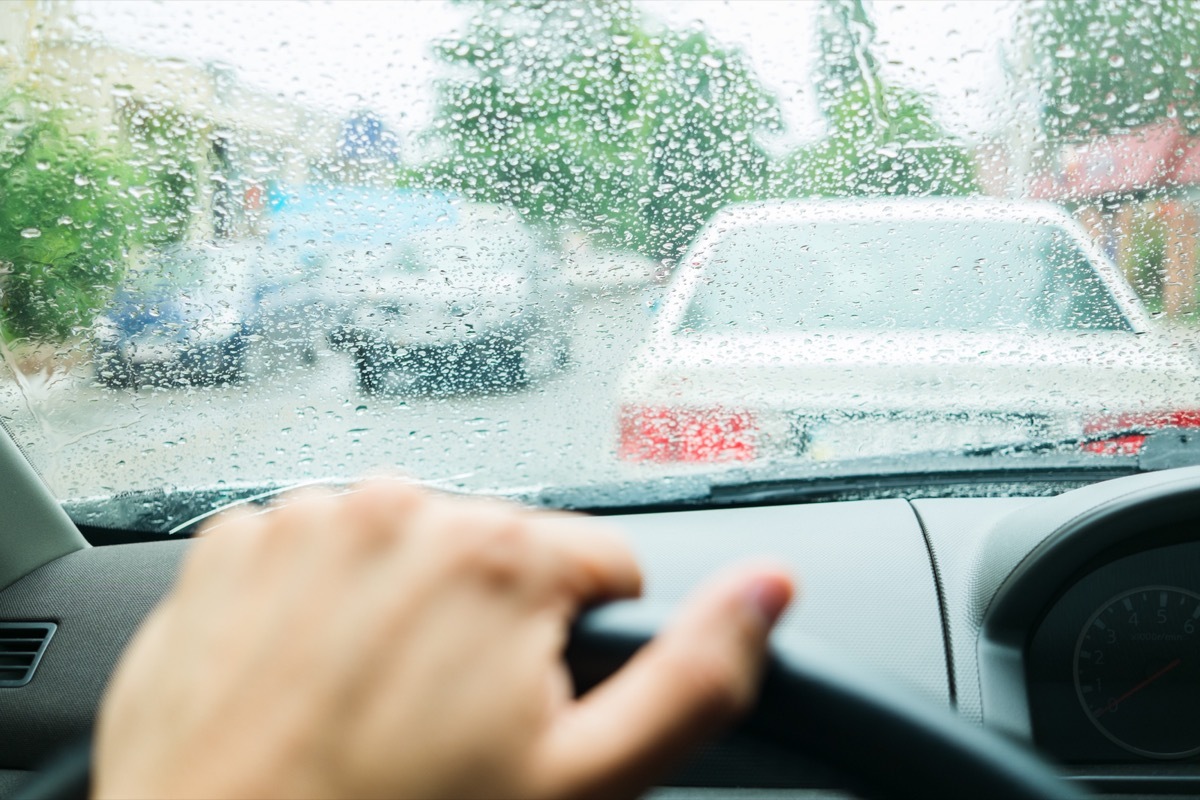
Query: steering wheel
pixel 811 704
pixel 880 742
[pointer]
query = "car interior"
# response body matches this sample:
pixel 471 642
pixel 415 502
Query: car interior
pixel 932 655
pixel 905 296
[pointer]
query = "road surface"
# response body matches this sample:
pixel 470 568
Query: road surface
pixel 302 423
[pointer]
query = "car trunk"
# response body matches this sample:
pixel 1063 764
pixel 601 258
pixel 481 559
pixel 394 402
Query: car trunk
pixel 853 394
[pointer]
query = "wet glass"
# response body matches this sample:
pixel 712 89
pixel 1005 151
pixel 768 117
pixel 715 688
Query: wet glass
pixel 246 246
pixel 926 275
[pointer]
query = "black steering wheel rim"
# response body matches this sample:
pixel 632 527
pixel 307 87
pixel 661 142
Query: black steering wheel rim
pixel 880 741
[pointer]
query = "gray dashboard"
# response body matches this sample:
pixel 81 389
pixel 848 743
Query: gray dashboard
pixel 868 589
pixel 903 589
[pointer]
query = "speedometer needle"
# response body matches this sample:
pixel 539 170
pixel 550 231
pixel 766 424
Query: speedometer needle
pixel 1113 705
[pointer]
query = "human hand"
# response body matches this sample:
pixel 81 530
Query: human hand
pixel 388 642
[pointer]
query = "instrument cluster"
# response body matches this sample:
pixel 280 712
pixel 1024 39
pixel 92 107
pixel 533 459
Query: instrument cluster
pixel 1113 669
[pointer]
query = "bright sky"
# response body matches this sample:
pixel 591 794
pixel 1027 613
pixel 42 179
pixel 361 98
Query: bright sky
pixel 354 54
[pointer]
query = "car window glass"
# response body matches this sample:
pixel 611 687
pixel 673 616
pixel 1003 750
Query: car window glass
pixel 775 278
pixel 548 247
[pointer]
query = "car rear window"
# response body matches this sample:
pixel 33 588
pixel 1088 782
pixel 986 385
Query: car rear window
pixel 955 275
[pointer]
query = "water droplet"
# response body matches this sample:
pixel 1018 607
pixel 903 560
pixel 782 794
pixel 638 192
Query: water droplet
pixel 31 233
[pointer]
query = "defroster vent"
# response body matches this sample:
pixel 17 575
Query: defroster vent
pixel 21 647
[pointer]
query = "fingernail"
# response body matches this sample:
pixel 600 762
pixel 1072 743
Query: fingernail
pixel 768 597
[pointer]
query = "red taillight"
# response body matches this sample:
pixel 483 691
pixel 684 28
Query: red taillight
pixel 1130 444
pixel 665 434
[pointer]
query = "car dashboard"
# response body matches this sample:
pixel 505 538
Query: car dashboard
pixel 986 607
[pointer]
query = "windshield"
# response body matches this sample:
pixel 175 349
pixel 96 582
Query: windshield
pixel 546 248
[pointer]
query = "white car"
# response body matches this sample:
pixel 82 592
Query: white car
pixel 832 330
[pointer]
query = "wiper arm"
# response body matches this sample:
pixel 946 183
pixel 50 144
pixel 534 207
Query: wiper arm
pixel 981 470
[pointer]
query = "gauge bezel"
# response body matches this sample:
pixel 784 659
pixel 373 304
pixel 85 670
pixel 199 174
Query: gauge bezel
pixel 1087 711
pixel 1034 554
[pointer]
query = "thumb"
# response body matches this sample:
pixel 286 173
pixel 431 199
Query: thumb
pixel 691 681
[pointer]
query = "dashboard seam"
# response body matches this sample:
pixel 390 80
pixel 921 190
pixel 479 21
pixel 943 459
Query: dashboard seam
pixel 943 612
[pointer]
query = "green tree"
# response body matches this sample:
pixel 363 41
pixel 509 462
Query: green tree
pixel 1107 66
pixel 567 109
pixel 161 152
pixel 881 140
pixel 64 218
pixel 69 212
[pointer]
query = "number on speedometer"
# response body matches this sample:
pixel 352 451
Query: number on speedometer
pixel 1137 671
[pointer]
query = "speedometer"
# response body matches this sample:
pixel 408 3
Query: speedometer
pixel 1137 671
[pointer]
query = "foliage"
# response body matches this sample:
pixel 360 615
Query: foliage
pixel 566 109
pixel 881 140
pixel 69 211
pixel 904 154
pixel 1107 66
pixel 1148 242
pixel 62 225
pixel 163 173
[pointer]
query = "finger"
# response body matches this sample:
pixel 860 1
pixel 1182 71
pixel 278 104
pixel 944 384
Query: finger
pixel 223 522
pixel 692 680
pixel 382 508
pixel 259 546
pixel 567 559
pixel 593 560
pixel 232 519
pixel 293 499
pixel 300 522
pixel 222 554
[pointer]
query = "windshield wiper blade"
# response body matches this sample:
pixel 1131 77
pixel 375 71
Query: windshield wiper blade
pixel 1056 444
pixel 172 511
pixel 927 474
pixel 1159 448
pixel 1044 465
pixel 943 474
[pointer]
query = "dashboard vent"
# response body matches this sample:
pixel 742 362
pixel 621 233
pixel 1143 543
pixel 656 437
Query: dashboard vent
pixel 21 647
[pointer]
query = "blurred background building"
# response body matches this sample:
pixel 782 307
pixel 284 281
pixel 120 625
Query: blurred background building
pixel 235 141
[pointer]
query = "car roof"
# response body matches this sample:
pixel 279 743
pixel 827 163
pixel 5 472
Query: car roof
pixel 894 208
